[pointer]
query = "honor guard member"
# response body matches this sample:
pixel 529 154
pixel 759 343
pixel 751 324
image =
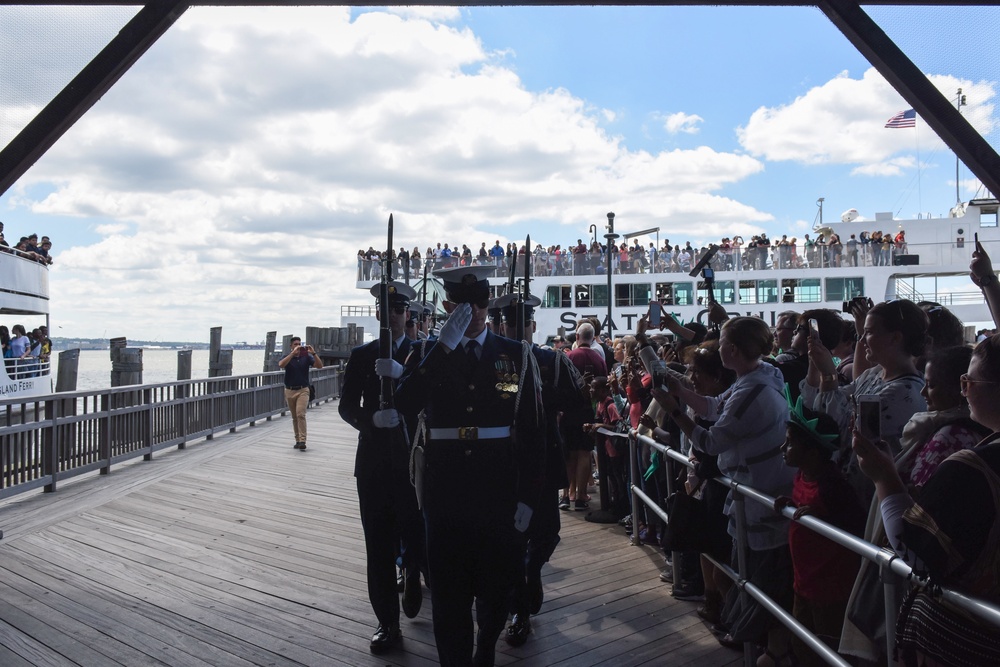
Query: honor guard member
pixel 565 400
pixel 389 513
pixel 481 417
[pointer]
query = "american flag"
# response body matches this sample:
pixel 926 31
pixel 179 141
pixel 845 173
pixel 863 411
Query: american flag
pixel 906 118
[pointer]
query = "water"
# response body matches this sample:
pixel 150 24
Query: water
pixel 157 366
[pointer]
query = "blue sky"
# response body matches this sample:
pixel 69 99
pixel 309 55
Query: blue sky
pixel 251 152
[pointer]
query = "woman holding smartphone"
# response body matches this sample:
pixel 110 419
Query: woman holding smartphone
pixel 892 335
pixel 951 533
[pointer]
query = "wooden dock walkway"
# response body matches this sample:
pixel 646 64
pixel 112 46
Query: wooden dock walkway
pixel 242 551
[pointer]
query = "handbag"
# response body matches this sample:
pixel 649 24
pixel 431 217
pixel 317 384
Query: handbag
pixel 687 519
pixel 312 392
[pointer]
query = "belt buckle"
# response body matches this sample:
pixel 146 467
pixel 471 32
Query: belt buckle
pixel 468 433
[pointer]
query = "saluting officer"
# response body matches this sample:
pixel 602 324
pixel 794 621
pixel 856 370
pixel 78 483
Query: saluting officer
pixel 565 400
pixel 389 512
pixel 481 419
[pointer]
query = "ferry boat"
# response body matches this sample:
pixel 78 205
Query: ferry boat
pixel 24 299
pixel 932 265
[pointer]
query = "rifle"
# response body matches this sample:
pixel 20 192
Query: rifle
pixel 525 292
pixel 385 331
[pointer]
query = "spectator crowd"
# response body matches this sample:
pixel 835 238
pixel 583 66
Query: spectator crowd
pixel 28 246
pixel 760 253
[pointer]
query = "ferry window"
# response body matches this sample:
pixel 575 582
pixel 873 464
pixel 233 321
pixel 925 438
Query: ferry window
pixel 674 294
pixel 724 292
pixel 591 295
pixel 844 289
pixel 683 294
pixel 988 217
pixel 748 291
pixel 557 296
pixel 801 290
pixel 632 294
pixel 665 293
pixel 767 291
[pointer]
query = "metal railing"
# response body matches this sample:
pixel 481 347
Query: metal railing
pixel 893 570
pixel 52 438
pixel 774 257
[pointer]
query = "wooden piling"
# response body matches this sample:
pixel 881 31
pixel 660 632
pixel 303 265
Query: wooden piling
pixel 69 366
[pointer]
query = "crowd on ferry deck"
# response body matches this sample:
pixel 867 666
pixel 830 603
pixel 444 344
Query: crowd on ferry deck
pixel 28 246
pixel 25 353
pixel 797 389
pixel 875 248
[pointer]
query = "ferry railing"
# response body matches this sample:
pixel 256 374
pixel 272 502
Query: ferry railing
pixel 774 257
pixel 744 258
pixel 894 572
pixel 29 367
pixel 47 439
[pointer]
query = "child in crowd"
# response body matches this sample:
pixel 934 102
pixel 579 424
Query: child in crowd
pixel 609 417
pixel 824 571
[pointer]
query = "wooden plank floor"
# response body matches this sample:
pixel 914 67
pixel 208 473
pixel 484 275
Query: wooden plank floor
pixel 241 551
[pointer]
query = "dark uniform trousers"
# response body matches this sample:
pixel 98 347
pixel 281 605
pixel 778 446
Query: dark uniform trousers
pixel 561 394
pixel 390 517
pixel 472 487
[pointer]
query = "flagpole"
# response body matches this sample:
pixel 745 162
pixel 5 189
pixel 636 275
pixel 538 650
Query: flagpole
pixel 916 140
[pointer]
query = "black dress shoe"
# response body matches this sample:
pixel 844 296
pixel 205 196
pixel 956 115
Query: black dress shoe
pixel 535 594
pixel 413 597
pixel 518 630
pixel 385 638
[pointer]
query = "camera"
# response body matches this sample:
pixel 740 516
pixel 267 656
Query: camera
pixel 858 299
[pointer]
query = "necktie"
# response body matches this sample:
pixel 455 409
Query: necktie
pixel 395 348
pixel 472 351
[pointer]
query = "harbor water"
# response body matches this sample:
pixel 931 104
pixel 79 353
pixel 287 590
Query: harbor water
pixel 157 366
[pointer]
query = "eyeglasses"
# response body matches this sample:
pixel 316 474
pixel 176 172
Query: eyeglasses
pixel 966 381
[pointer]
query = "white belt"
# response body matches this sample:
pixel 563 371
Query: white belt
pixel 470 433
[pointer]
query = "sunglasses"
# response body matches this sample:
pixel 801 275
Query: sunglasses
pixel 399 310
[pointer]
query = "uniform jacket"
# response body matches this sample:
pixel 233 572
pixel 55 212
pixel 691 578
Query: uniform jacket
pixel 453 392
pixel 359 399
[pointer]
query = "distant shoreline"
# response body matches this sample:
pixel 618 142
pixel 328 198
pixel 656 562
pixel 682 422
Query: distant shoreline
pixel 62 343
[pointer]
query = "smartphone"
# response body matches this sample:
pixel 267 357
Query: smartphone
pixel 654 313
pixel 814 327
pixel 869 416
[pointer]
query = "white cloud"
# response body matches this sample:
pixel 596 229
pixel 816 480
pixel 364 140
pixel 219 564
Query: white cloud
pixel 242 163
pixel 682 122
pixel 891 167
pixel 843 122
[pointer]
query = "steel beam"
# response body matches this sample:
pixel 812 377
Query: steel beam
pixel 86 88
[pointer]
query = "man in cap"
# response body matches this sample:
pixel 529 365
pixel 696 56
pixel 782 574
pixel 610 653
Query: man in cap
pixel 389 514
pixel 565 402
pixel 482 416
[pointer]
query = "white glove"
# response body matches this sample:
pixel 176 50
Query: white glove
pixel 388 368
pixel 385 419
pixel 453 330
pixel 522 517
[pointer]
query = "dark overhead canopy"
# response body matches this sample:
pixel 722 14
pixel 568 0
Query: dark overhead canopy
pixel 155 18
